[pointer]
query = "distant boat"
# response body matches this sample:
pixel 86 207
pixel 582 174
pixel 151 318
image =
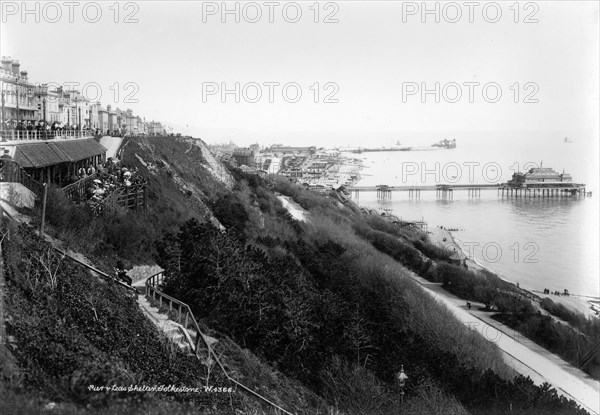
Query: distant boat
pixel 446 144
pixel 567 140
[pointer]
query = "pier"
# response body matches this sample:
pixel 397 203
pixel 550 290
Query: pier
pixel 446 191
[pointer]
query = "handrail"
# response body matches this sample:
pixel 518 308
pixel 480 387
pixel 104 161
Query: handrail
pixel 114 198
pixel 97 271
pixel 152 284
pixel 78 187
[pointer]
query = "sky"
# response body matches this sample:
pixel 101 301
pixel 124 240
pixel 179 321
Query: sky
pixel 326 73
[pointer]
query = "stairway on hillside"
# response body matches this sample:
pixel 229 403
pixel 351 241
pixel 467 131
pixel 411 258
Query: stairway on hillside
pixel 175 332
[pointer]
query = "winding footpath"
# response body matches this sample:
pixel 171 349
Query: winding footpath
pixel 525 356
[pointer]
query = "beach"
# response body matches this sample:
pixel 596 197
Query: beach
pixel 581 304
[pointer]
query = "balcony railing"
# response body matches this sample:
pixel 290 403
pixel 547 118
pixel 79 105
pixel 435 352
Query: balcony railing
pixel 32 135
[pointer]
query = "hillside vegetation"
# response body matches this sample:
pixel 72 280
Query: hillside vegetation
pixel 318 315
pixel 320 302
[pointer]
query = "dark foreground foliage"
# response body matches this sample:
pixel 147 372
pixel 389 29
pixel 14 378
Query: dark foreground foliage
pixel 306 305
pixel 70 330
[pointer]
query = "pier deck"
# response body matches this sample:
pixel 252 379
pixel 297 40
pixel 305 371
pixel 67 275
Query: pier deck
pixel 446 190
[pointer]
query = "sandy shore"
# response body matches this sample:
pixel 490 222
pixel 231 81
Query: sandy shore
pixel 580 304
pixel 344 172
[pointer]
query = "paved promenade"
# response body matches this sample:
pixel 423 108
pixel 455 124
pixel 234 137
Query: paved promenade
pixel 112 145
pixel 525 356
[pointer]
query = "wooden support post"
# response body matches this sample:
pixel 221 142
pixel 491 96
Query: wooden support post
pixel 44 210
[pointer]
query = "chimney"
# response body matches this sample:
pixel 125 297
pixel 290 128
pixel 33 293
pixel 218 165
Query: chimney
pixel 24 75
pixel 7 63
pixel 108 108
pixel 15 67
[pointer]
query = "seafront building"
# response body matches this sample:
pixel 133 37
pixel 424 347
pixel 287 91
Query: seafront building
pixel 50 135
pixel 18 93
pixel 26 104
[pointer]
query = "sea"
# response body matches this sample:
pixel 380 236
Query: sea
pixel 540 243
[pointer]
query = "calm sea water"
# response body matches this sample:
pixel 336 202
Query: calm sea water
pixel 541 243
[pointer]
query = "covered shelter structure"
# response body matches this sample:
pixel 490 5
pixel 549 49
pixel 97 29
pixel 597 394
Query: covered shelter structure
pixel 58 161
pixel 458 258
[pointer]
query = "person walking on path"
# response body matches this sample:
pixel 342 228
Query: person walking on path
pixel 122 274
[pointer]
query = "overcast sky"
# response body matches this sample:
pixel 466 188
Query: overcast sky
pixel 365 61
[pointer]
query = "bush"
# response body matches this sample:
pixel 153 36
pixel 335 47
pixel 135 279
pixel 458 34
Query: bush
pixel 85 331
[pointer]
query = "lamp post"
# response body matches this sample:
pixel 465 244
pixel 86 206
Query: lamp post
pixel 17 93
pixel 79 109
pixel 3 108
pixel 402 378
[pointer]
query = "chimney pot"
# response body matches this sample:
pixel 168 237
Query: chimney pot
pixel 15 67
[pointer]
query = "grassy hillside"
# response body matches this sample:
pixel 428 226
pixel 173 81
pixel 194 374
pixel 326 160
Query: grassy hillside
pixel 322 303
pixel 318 315
pixel 68 331
pixel 183 181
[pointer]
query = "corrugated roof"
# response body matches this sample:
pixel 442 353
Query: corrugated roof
pixel 47 153
pixel 38 155
pixel 77 150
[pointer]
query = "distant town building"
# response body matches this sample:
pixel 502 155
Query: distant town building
pixel 47 101
pixel 24 101
pixel 102 118
pixel 540 175
pixel 155 128
pixel 113 121
pixel 18 94
pixel 244 156
pixel 278 148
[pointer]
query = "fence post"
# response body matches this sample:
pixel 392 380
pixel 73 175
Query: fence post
pixel 44 209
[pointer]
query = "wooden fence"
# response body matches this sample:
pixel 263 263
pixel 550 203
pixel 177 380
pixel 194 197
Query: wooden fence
pixel 134 197
pixel 75 192
pixel 11 172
